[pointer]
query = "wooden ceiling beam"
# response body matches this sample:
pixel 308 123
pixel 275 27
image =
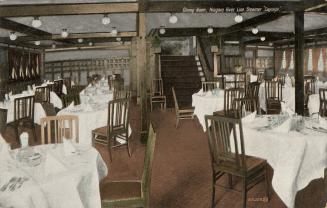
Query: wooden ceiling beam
pixel 68 9
pixel 21 28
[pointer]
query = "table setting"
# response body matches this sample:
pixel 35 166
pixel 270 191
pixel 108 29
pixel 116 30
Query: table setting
pixel 35 176
pixel 206 103
pixel 295 147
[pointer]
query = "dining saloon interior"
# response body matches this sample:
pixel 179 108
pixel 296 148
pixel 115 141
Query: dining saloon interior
pixel 161 104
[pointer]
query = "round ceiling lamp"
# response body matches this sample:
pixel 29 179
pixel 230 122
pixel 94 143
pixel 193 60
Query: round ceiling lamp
pixel 114 31
pixel 12 36
pixel 64 33
pixel 90 44
pixel 263 38
pixel 53 46
pixel 271 44
pixel 162 30
pixel 80 40
pixel 37 42
pixel 118 39
pixel 238 18
pixel 210 29
pixel 106 20
pixel 173 19
pixel 255 30
pixel 36 22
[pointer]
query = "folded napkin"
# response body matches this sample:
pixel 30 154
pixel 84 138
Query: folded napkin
pixel 69 148
pixel 284 127
pixel 53 166
pixel 322 122
pixel 249 118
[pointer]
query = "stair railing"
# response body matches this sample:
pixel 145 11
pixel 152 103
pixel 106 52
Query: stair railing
pixel 200 51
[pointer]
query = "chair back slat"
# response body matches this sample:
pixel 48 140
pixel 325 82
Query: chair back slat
pixel 231 106
pixel 24 108
pixel 157 87
pixel 55 128
pixel 273 90
pixel 309 85
pixel 148 161
pixel 57 86
pixel 121 94
pixel 323 102
pixel 209 86
pixel 42 94
pixel 118 114
pixel 226 143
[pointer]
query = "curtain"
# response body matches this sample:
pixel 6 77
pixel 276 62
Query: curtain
pixel 278 60
pixel 315 58
pixel 305 61
pixel 288 55
pixel 324 58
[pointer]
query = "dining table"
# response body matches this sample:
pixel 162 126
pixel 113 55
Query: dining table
pixel 47 176
pixel 206 103
pixel 294 146
pixel 92 113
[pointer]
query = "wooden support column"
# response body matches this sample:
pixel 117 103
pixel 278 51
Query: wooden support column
pixel 222 68
pixel 298 61
pixel 142 75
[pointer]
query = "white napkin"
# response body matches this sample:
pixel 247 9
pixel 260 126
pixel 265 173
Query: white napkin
pixel 10 94
pixel 284 127
pixel 249 118
pixel 322 122
pixel 68 147
pixel 53 166
pixel 64 89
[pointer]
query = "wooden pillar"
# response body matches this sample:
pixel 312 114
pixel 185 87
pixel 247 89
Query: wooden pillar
pixel 222 67
pixel 298 61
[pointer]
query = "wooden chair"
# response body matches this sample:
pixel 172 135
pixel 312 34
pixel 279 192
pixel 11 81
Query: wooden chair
pixel 252 170
pixel 51 87
pixel 55 128
pixel 3 120
pixel 182 113
pixel 131 193
pixel 42 94
pixel 23 114
pixel 57 87
pixel 68 84
pixel 122 94
pixel 250 102
pixel 261 76
pixel 323 102
pixel 117 126
pixel 274 96
pixel 208 86
pixel 232 103
pixel 69 98
pixel 157 94
pixel 281 78
pixel 309 89
pixel 76 89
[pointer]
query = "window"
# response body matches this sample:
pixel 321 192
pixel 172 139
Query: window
pixel 320 62
pixel 310 66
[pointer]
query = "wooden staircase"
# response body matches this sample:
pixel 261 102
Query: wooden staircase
pixel 185 74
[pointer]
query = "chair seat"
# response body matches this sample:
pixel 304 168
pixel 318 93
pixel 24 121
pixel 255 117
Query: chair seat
pixel 103 131
pixel 120 190
pixel 186 109
pixel 252 164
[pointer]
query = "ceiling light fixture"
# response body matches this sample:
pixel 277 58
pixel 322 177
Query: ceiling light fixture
pixel 37 42
pixel 53 46
pixel 118 39
pixel 64 33
pixel 90 44
pixel 36 22
pixel 114 31
pixel 162 30
pixel 263 38
pixel 238 18
pixel 80 40
pixel 255 30
pixel 271 44
pixel 173 19
pixel 12 36
pixel 106 20
pixel 210 29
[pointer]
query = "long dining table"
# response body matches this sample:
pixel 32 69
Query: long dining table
pixel 295 147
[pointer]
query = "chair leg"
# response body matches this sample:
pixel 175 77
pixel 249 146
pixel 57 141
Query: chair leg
pixel 128 148
pixel 109 148
pixel 267 183
pixel 17 133
pixel 230 181
pixel 244 193
pixel 213 190
pixel 34 132
pixel 177 122
pixel 151 105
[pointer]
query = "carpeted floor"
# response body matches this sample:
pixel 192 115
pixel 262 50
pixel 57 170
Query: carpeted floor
pixel 182 170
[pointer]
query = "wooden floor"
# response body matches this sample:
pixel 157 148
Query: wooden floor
pixel 182 171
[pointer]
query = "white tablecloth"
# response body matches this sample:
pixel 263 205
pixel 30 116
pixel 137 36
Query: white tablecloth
pixel 99 94
pixel 288 94
pixel 38 109
pixel 296 158
pixel 77 185
pixel 206 104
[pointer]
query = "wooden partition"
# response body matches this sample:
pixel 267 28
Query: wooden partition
pixel 79 70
